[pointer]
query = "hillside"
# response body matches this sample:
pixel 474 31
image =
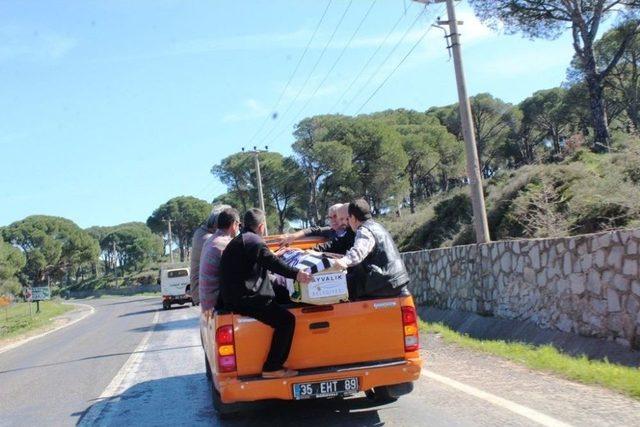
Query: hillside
pixel 585 193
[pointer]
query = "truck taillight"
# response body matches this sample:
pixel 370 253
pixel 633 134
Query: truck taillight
pixel 226 349
pixel 410 328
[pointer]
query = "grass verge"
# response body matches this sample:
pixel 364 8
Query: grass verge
pixel 15 320
pixel 548 358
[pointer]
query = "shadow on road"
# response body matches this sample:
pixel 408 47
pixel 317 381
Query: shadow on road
pixel 150 298
pixel 189 323
pixel 100 356
pixel 186 400
pixel 135 313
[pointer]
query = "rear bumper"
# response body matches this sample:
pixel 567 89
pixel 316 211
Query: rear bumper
pixel 249 389
pixel 178 299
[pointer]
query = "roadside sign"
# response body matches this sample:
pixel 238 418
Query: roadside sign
pixel 5 301
pixel 40 293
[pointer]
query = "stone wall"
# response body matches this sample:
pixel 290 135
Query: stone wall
pixel 587 284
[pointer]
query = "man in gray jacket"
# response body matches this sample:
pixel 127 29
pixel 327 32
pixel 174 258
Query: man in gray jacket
pixel 200 235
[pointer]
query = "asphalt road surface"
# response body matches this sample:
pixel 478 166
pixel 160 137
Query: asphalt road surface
pixel 131 363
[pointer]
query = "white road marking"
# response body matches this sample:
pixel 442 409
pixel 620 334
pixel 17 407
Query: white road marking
pixel 516 408
pixel 114 387
pixel 50 331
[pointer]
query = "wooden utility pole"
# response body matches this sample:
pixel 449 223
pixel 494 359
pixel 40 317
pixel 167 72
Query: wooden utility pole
pixel 255 153
pixel 168 221
pixel 480 222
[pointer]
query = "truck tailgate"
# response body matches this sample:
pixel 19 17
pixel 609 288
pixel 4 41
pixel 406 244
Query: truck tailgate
pixel 334 335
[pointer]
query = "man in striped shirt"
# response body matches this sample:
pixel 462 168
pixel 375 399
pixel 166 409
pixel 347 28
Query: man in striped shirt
pixel 228 225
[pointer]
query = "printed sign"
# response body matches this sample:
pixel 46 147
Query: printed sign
pixel 40 293
pixel 5 301
pixel 327 285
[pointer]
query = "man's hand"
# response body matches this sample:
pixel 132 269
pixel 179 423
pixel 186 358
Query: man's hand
pixel 304 277
pixel 287 239
pixel 340 263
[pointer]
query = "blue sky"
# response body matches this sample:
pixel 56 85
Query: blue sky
pixel 110 108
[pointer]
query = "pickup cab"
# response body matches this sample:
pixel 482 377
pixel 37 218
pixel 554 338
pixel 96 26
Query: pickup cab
pixel 369 345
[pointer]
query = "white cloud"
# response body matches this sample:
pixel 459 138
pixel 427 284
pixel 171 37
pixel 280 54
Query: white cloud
pixel 19 42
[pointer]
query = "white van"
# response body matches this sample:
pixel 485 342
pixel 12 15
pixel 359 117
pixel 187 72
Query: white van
pixel 175 286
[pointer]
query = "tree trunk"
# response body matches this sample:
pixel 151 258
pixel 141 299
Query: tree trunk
pixel 602 138
pixel 313 203
pixel 412 194
pixel 182 250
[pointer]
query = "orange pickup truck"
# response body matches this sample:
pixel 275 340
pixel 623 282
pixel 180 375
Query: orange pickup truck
pixel 369 345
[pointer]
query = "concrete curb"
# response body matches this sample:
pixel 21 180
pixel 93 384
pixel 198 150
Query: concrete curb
pixel 20 342
pixel 494 328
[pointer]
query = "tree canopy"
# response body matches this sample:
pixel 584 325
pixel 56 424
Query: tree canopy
pixel 12 260
pixel 53 246
pixel 131 245
pixel 186 214
pixel 550 18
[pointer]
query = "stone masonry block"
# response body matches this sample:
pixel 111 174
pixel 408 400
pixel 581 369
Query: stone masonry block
pixel 577 284
pixel 630 267
pixel 615 257
pixel 613 300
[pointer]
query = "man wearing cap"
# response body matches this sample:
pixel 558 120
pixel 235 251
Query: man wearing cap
pixel 200 235
pixel 383 272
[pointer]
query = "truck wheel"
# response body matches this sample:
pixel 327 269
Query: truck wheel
pixel 380 395
pixel 164 305
pixel 207 368
pixel 225 410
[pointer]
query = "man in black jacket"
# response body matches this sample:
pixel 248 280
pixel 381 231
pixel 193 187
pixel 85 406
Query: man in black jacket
pixel 383 272
pixel 247 290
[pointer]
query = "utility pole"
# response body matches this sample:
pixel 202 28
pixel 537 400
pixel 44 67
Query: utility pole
pixel 168 221
pixel 114 261
pixel 480 222
pixel 255 153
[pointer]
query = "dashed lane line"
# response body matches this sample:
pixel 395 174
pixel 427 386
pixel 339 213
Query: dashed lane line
pixel 516 408
pixel 92 417
pixel 50 331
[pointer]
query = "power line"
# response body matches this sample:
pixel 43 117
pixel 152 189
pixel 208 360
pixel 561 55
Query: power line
pixel 395 69
pixel 313 69
pixel 333 66
pixel 364 67
pixel 322 82
pixel 384 61
pixel 304 53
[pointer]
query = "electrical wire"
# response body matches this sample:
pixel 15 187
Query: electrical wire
pixel 304 53
pixel 313 69
pixel 393 50
pixel 335 63
pixel 364 67
pixel 394 70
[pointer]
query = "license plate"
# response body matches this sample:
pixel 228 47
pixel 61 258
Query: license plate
pixel 327 388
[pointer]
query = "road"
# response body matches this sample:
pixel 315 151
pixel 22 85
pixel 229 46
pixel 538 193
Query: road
pixel 131 363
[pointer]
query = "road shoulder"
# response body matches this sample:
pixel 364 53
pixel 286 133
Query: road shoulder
pixel 80 312
pixel 570 402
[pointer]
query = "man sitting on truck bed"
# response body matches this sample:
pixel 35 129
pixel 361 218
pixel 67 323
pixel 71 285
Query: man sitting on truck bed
pixel 384 272
pixel 247 290
pixel 200 235
pixel 228 224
